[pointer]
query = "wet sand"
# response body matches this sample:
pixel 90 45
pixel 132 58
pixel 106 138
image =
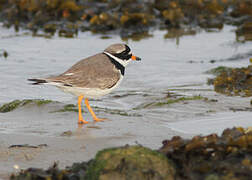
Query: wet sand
pixel 81 145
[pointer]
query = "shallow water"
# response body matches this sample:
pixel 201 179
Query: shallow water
pixel 168 65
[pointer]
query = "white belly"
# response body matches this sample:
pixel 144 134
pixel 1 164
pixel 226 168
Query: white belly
pixel 93 93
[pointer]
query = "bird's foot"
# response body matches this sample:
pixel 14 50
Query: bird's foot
pixel 82 121
pixel 99 119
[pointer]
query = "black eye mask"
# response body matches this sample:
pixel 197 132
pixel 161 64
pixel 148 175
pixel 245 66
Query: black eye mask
pixel 125 54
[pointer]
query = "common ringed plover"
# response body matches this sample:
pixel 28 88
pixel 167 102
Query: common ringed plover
pixel 94 76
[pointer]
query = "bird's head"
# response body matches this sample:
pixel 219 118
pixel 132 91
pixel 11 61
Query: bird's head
pixel 121 53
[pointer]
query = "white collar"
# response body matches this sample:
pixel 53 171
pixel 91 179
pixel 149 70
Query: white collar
pixel 122 62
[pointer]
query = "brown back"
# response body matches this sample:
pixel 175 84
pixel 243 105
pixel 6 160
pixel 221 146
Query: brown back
pixel 93 72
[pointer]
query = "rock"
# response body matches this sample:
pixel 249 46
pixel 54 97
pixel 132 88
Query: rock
pixel 134 19
pixel 173 17
pixel 103 22
pixel 161 4
pixel 67 133
pixel 241 8
pixel 50 28
pixel 76 171
pixel 69 5
pixel 130 162
pixel 209 157
pixel 206 157
pixel 235 82
pixel 211 24
pixel 244 32
pixel 66 33
pixel 127 17
pixel 4 53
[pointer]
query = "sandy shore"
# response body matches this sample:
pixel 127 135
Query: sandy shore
pixel 34 126
pixel 64 150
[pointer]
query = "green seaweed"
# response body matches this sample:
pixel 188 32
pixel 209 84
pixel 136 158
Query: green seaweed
pixel 40 102
pixel 19 103
pixel 74 108
pixel 10 106
pixel 170 101
pixel 68 108
pixel 218 70
pixel 105 37
pixel 130 162
pixel 115 111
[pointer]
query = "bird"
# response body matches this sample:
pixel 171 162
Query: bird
pixel 93 77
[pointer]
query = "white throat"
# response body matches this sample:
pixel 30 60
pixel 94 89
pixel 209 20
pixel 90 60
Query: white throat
pixel 122 62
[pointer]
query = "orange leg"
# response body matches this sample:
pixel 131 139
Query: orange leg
pixel 92 112
pixel 81 120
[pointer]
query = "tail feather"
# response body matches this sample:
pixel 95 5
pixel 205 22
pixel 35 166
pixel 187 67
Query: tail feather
pixel 37 81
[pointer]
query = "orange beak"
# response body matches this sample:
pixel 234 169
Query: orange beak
pixel 135 58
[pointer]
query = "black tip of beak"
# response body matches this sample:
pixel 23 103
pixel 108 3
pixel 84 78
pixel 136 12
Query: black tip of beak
pixel 138 58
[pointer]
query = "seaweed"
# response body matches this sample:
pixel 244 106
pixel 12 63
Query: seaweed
pixel 170 100
pixel 19 103
pixel 125 17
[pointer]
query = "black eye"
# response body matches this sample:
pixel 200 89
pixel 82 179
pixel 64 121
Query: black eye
pixel 123 55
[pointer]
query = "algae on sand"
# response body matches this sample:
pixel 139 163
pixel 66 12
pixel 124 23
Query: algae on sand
pixel 218 70
pixel 19 103
pixel 169 101
pixel 68 108
pixel 74 108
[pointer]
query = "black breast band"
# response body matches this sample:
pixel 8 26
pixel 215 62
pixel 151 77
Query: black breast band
pixel 117 64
